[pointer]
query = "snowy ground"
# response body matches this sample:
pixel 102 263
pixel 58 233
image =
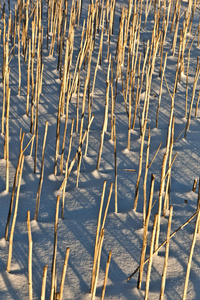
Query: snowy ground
pixel 123 230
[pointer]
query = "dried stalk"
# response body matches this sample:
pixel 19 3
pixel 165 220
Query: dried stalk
pixel 150 258
pixel 106 275
pixel 63 274
pixel 29 257
pixel 190 257
pixel 41 174
pixel 166 255
pixel 14 217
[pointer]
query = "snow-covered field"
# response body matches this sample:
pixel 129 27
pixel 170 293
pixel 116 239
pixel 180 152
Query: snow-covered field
pixel 124 228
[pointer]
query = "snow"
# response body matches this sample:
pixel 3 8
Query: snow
pixel 123 229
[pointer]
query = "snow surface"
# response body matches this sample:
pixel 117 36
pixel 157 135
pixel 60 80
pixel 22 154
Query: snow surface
pixel 123 230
